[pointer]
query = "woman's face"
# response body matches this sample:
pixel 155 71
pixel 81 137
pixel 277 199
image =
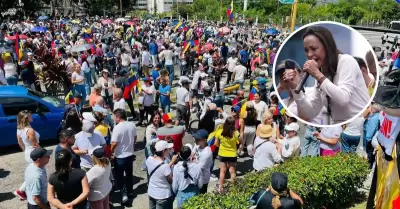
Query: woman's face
pixel 156 119
pixel 77 68
pixel 314 49
pixel 268 121
pixel 291 134
pixel 105 75
pixel 257 97
pixel 30 118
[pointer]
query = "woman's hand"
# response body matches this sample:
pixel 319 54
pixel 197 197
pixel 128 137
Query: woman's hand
pixel 291 78
pixel 311 67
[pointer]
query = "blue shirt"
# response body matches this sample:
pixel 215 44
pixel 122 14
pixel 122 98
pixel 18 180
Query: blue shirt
pixel 155 74
pixel 243 56
pixel 153 48
pixel 76 160
pixel 164 99
pixel 111 61
pixel 35 183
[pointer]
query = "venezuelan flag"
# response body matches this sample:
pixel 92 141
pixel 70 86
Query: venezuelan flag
pixel 18 47
pixel 280 110
pixel 253 91
pixel 180 23
pixel 69 99
pixel 229 12
pixel 130 83
pixel 194 43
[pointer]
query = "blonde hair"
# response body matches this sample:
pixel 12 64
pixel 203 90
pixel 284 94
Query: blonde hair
pixel 23 119
pixel 266 115
pixel 102 162
pixel 276 202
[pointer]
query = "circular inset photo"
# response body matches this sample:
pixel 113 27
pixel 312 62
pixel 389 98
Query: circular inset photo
pixel 325 74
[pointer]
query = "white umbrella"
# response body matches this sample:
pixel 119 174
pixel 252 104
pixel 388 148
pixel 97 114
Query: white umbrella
pixel 80 48
pixel 121 19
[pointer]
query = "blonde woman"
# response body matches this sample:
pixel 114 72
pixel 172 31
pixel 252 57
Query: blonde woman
pixel 28 140
pixel 78 80
pixel 99 180
pixel 10 70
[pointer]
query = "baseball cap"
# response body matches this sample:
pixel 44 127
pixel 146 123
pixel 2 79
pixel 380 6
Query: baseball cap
pixel 201 134
pixel 186 82
pixel 279 181
pixel 146 79
pixel 262 81
pixel 292 127
pixel 250 104
pixel 167 118
pixel 98 152
pixel 89 116
pixel 163 145
pixel 83 56
pixel 40 152
pixel 78 96
pixel 87 128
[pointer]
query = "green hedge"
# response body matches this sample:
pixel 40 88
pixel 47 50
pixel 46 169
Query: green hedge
pixel 322 182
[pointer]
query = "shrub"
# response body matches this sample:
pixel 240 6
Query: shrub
pixel 322 182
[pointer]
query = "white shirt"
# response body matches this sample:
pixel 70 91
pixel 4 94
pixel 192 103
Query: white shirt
pixel 10 69
pixel 109 82
pixel 119 104
pixel 266 155
pixel 231 63
pixel 292 106
pixel 205 158
pixel 182 96
pixel 348 93
pixel 125 59
pixel 145 58
pixel 239 71
pixel 330 132
pixel 159 188
pixel 167 55
pixel 85 67
pixel 195 81
pixel 290 147
pixel 179 182
pixel 260 107
pixel 83 142
pixel 77 77
pixel 91 60
pixel 355 127
pixel 99 182
pixel 124 135
pixel 148 99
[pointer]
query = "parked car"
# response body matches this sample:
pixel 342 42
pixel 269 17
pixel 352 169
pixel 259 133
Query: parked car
pixel 47 113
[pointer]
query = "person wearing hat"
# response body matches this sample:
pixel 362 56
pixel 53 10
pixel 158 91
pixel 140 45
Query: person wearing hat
pixel 187 177
pixel 107 85
pixel 277 196
pixel 160 176
pixel 99 179
pixel 36 179
pixel 203 155
pixel 10 70
pixel 87 140
pixel 175 132
pixel 290 144
pixel 183 103
pixel 266 154
pixel 67 187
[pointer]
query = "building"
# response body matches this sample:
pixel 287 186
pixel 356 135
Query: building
pixel 158 6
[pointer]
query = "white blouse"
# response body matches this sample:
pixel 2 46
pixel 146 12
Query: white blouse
pixel 348 93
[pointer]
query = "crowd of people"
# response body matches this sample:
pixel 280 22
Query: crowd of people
pixel 97 143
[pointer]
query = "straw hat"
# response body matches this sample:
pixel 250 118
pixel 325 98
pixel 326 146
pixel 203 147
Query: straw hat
pixel 266 131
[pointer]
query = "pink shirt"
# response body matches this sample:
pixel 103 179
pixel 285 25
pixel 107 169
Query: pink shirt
pixel 253 63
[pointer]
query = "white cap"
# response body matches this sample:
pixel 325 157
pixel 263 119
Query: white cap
pixel 89 116
pixel 272 93
pixel 163 145
pixel 292 127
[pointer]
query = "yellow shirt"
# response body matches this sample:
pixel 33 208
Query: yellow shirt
pixel 371 90
pixel 227 146
pixel 103 129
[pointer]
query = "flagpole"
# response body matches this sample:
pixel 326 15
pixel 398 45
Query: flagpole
pixel 294 15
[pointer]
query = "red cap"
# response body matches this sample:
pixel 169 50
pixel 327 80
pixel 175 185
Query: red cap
pixel 83 56
pixel 166 118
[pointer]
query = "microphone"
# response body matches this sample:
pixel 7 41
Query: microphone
pixel 303 80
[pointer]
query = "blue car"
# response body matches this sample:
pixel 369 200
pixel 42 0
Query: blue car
pixel 47 113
